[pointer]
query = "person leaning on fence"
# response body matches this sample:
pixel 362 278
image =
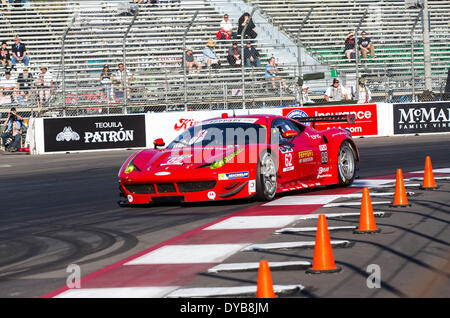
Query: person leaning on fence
pixel 209 56
pixel 44 84
pixel 13 130
pixel 305 95
pixel 336 92
pixel 191 62
pixel 106 80
pixel 123 75
pixel 5 56
pixel 271 74
pixel 365 96
pixel 24 85
pixel 19 53
pixel 250 31
pixel 234 55
pixel 251 56
pixel 366 45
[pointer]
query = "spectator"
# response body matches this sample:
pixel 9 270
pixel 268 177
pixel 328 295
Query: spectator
pixel 365 96
pixel 13 125
pixel 209 57
pixel 44 84
pixel 19 53
pixel 226 29
pixel 106 80
pixel 350 50
pixel 242 22
pixel 24 85
pixel 5 56
pixel 272 74
pixel 366 45
pixel 234 55
pixel 251 56
pixel 8 86
pixel 305 95
pixel 336 92
pixel 123 75
pixel 191 63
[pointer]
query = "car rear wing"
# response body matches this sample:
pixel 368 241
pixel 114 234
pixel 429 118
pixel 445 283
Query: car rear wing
pixel 349 119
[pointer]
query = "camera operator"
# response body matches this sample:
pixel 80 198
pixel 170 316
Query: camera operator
pixel 13 130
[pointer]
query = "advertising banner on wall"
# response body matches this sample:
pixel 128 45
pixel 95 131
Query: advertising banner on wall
pixel 366 123
pixel 421 118
pixel 94 132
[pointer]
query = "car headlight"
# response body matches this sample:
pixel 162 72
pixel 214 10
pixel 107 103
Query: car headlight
pixel 131 167
pixel 220 163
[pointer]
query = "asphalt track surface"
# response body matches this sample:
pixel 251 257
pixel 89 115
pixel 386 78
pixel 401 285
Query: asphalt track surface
pixel 61 209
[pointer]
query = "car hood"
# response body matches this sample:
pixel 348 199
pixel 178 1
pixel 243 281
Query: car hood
pixel 183 157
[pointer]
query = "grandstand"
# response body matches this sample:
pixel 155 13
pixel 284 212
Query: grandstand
pixel 154 48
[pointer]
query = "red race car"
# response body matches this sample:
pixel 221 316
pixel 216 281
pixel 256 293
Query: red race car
pixel 239 157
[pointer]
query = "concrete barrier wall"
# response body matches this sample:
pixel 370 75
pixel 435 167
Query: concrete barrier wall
pixel 93 133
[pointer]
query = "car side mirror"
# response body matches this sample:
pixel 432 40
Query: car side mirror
pixel 159 143
pixel 290 134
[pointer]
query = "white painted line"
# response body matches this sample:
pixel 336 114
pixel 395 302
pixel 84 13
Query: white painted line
pixel 335 215
pixel 361 183
pixel 359 195
pixel 393 185
pixel 435 178
pixel 304 200
pixel 254 222
pixel 312 229
pixel 440 170
pixel 330 205
pixel 235 267
pixel 5 166
pixel 122 292
pixel 181 254
pixel 287 245
pixel 229 291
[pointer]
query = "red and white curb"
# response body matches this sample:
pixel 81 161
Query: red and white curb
pixel 162 270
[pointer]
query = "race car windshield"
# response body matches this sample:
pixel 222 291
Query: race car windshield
pixel 217 133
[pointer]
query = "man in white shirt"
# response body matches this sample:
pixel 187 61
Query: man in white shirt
pixel 336 92
pixel 8 85
pixel 226 26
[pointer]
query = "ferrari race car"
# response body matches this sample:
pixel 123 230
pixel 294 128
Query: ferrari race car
pixel 241 157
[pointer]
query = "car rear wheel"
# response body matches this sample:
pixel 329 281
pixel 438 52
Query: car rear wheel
pixel 266 180
pixel 346 164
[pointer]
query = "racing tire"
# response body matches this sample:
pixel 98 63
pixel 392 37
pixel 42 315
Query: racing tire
pixel 266 178
pixel 346 164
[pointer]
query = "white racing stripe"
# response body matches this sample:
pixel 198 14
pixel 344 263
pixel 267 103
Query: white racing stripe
pixel 119 292
pixel 313 229
pixel 287 245
pixel 304 200
pixel 254 222
pixel 235 267
pixel 229 291
pixel 182 254
pixel 330 205
pixel 370 183
pixel 336 215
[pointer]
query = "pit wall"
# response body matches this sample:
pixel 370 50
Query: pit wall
pixel 108 132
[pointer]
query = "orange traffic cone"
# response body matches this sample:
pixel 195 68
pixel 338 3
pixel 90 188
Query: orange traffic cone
pixel 428 177
pixel 366 217
pixel 400 199
pixel 265 286
pixel 323 261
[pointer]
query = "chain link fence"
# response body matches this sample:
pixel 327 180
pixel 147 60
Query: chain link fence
pixel 156 81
